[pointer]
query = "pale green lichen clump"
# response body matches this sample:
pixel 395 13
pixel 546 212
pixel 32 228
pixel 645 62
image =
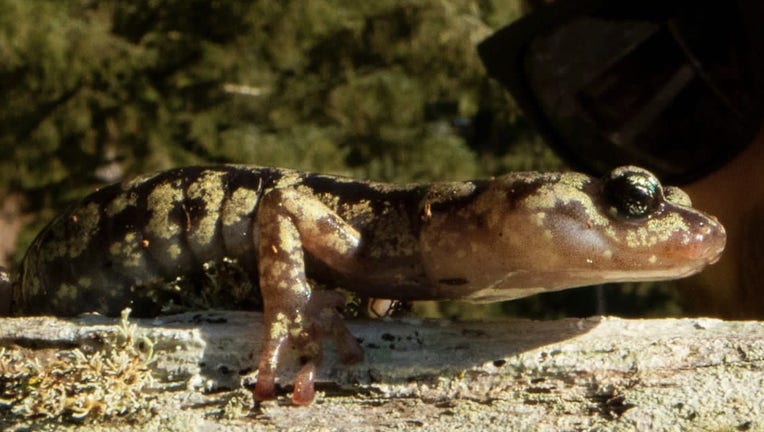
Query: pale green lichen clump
pixel 75 386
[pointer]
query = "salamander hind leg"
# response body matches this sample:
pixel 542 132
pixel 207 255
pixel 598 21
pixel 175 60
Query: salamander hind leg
pixel 297 317
pixel 322 320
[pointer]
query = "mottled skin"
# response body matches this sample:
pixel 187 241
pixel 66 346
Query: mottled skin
pixel 247 237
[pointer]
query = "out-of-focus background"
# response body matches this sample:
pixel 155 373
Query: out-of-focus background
pixel 96 91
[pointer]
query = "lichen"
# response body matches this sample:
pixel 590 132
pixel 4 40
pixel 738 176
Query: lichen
pixel 78 385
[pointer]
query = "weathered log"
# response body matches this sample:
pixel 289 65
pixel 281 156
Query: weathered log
pixel 574 374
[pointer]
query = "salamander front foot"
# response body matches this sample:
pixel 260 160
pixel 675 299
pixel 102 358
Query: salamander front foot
pixel 304 333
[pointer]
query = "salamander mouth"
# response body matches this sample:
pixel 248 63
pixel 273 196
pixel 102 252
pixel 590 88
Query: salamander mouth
pixel 717 257
pixel 710 244
pixel 698 259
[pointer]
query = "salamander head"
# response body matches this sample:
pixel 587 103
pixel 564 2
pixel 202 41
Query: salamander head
pixel 541 232
pixel 656 223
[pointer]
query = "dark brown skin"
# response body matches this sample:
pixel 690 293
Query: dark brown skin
pixel 253 238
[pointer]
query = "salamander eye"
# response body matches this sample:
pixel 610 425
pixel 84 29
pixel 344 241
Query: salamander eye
pixel 633 192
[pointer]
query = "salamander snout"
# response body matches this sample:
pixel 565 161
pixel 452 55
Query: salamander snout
pixel 711 238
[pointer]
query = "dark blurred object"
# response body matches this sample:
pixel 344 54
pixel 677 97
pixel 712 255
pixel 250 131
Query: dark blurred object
pixel 674 86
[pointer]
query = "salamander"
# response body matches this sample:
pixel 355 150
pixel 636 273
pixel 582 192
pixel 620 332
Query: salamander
pixel 266 238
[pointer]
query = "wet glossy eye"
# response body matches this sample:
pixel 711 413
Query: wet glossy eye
pixel 633 192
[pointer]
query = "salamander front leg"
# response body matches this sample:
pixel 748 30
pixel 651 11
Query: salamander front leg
pixel 295 316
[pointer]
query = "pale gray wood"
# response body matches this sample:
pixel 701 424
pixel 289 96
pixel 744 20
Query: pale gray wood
pixel 574 374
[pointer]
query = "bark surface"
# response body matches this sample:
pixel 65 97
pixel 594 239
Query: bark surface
pixel 568 375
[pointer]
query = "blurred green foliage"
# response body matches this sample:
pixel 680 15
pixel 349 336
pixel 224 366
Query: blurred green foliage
pixel 98 90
